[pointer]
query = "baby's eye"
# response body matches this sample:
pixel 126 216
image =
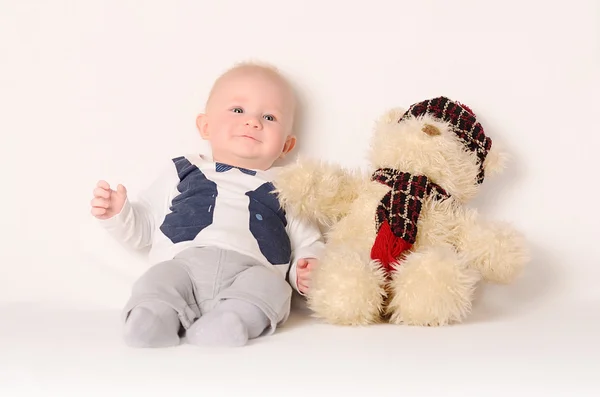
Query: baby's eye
pixel 269 117
pixel 237 110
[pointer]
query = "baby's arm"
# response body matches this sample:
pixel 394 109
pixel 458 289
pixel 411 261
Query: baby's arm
pixel 307 243
pixel 134 225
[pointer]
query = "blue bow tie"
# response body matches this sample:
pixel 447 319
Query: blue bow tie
pixel 220 167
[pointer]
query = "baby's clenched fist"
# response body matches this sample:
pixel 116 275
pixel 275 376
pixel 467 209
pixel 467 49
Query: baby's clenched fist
pixel 304 268
pixel 107 202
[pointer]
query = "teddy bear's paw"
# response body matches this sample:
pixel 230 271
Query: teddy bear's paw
pixel 498 251
pixel 295 187
pixel 433 287
pixel 347 290
pixel 316 190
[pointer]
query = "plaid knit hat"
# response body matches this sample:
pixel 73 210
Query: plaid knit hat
pixel 463 123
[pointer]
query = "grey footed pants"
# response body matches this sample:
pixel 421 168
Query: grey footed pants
pixel 198 280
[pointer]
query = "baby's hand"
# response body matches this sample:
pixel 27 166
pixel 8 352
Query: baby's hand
pixel 107 202
pixel 303 269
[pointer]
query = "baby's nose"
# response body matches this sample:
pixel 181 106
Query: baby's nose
pixel 253 122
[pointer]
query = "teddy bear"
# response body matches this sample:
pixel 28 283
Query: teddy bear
pixel 402 244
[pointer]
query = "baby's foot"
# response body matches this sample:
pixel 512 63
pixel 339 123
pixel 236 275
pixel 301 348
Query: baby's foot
pixel 218 328
pixel 152 324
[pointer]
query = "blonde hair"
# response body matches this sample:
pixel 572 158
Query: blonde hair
pixel 257 65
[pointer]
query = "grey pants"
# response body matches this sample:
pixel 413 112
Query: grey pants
pixel 196 280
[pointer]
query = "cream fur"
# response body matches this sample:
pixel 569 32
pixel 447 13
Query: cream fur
pixel 347 289
pixel 495 249
pixel 433 286
pixel 496 161
pixel 434 283
pixel 317 190
pixel 443 158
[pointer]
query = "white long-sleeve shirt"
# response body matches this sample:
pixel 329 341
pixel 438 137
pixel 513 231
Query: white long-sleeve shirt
pixel 196 202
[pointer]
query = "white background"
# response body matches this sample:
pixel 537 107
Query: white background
pixel 107 89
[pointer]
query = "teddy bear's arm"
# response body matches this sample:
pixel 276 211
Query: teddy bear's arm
pixel 496 249
pixel 317 190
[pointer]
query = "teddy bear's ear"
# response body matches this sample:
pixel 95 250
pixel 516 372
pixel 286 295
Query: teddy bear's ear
pixel 496 160
pixel 391 116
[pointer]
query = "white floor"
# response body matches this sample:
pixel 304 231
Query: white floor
pixel 538 350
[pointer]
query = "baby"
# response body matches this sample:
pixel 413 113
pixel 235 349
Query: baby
pixel 225 256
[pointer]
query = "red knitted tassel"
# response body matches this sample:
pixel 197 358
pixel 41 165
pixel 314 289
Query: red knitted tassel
pixel 388 248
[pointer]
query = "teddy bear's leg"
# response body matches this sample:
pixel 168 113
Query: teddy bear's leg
pixel 495 249
pixel 347 288
pixel 432 287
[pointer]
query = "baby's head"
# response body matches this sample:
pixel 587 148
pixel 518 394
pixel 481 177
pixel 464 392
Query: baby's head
pixel 249 117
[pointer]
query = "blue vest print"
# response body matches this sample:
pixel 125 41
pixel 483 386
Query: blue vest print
pixel 193 209
pixel 267 225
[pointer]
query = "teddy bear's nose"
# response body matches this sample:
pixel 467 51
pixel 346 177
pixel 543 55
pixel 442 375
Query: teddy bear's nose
pixel 431 130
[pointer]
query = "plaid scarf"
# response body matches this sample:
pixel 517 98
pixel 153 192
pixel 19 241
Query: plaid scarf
pixel 398 212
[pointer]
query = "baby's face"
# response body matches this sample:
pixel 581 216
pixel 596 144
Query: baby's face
pixel 249 119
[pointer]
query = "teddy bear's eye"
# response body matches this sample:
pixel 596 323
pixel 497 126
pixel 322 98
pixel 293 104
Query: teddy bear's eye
pixel 431 130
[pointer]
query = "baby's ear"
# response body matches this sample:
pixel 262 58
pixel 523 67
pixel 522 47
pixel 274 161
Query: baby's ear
pixel 290 142
pixel 202 125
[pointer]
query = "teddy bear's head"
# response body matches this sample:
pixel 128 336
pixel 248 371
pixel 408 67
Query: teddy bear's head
pixel 441 139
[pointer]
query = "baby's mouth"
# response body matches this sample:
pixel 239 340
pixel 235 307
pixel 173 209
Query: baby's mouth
pixel 250 137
